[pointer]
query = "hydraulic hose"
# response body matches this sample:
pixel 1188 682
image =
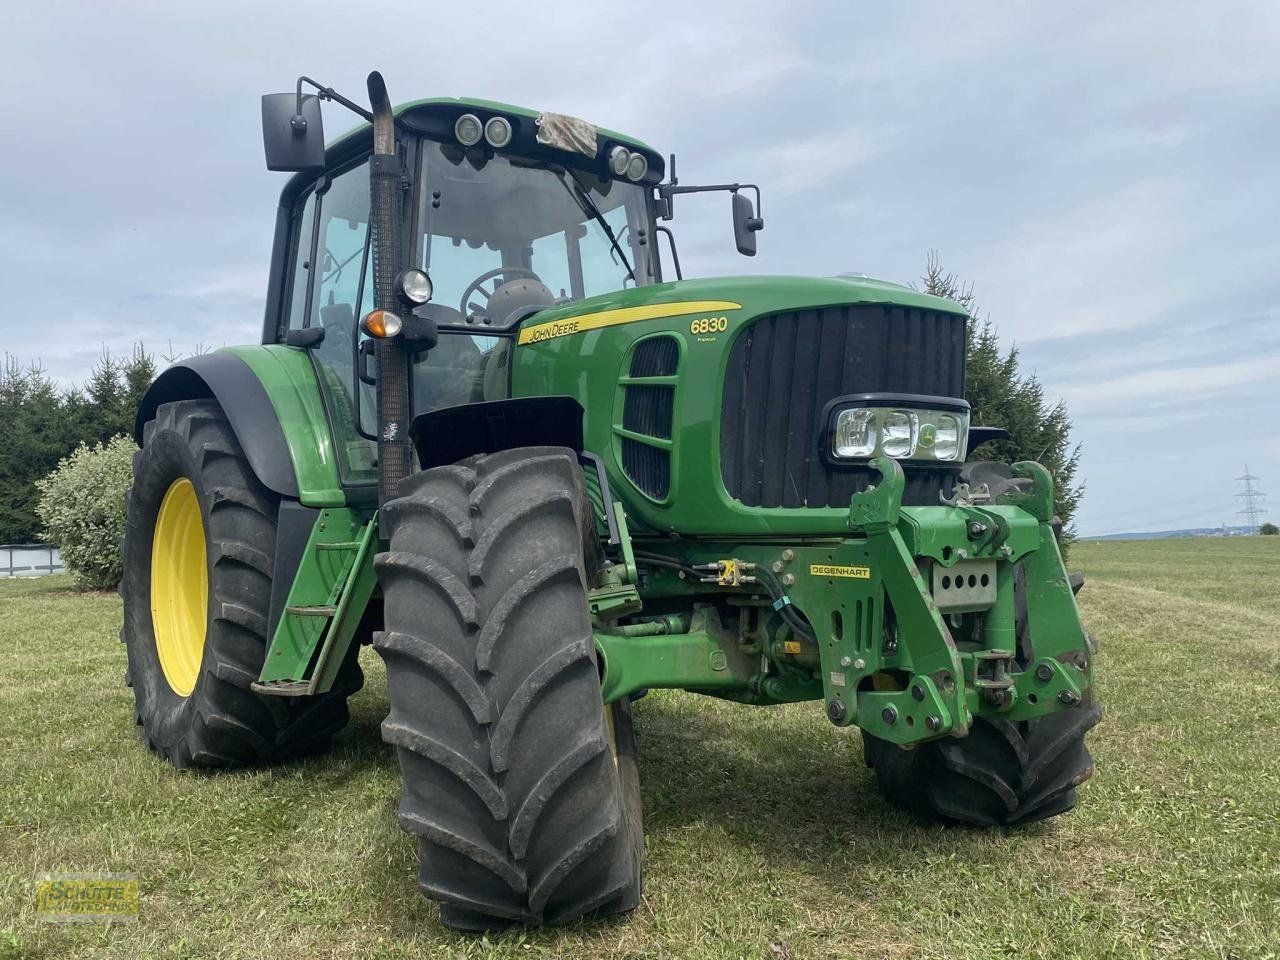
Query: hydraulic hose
pixel 781 602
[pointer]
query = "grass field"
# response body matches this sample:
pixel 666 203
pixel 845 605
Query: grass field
pixel 765 835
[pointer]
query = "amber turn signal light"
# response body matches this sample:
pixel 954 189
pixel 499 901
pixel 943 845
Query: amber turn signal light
pixel 381 324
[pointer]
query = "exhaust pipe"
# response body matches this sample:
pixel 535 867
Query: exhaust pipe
pixel 393 360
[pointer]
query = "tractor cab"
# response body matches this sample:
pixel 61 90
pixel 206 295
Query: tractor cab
pixel 506 211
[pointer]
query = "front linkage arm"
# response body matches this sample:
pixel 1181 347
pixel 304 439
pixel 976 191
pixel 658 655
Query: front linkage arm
pixel 878 648
pixel 889 660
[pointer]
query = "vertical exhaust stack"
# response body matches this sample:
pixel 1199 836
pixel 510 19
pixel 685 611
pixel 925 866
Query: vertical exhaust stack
pixel 393 359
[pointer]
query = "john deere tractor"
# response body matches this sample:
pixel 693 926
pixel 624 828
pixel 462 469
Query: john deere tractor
pixel 486 432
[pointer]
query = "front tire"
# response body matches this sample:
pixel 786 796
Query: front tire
pixel 199 552
pixel 521 787
pixel 1002 773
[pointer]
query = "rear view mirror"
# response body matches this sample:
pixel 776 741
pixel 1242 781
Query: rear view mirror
pixel 292 132
pixel 745 225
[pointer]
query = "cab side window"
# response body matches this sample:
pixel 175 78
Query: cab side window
pixel 301 264
pixel 337 217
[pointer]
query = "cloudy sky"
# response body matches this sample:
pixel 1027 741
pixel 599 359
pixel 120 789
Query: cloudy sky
pixel 1105 174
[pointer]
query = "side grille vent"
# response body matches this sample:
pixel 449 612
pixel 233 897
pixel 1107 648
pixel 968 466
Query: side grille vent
pixel 656 357
pixel 648 412
pixel 648 467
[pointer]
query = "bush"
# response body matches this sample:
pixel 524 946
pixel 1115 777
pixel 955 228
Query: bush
pixel 81 504
pixel 1269 530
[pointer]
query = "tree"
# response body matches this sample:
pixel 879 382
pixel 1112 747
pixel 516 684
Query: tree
pixel 1269 530
pixel 1000 395
pixel 43 425
pixel 37 436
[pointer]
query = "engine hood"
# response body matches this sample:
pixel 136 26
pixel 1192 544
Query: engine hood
pixel 750 295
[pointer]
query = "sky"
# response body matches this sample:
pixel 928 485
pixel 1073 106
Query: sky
pixel 1104 174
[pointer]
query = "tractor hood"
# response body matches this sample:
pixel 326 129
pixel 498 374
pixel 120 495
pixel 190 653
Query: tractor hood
pixel 745 297
pixel 724 386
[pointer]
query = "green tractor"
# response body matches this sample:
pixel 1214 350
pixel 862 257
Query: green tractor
pixel 487 434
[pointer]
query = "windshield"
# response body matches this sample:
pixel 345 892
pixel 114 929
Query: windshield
pixel 576 234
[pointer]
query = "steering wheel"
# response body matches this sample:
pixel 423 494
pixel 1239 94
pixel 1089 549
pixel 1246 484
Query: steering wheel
pixel 477 286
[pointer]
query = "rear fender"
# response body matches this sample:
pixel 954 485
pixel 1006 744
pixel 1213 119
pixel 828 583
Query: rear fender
pixel 271 399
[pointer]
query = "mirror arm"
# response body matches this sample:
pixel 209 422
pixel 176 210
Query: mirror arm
pixel 328 93
pixel 668 190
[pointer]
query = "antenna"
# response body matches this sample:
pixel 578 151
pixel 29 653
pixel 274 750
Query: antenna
pixel 1251 499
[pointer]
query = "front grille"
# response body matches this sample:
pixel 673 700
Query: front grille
pixel 784 368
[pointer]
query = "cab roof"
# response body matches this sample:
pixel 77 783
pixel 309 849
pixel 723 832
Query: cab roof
pixel 435 116
pixel 459 105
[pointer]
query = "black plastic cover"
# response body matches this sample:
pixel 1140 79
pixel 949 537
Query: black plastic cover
pixel 454 433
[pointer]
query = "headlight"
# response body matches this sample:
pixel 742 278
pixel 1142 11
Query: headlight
pixel 946 444
pixel 904 433
pixel 898 433
pixel 468 130
pixel 498 132
pixel 415 286
pixel 619 158
pixel 855 433
pixel 637 166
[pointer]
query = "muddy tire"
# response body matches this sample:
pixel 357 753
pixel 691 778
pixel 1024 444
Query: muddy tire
pixel 520 786
pixel 196 707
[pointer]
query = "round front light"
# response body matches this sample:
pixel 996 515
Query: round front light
pixel 898 433
pixel 381 324
pixel 637 167
pixel 498 132
pixel 415 286
pixel 619 160
pixel 468 130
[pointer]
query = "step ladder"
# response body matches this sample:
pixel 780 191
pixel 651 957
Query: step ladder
pixel 330 591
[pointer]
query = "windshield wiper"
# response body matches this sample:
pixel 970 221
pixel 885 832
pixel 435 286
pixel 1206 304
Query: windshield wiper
pixel 588 206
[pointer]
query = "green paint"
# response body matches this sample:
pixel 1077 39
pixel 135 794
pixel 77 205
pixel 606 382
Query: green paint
pixel 593 365
pixel 882 656
pixel 289 378
pixel 703 657
pixel 900 675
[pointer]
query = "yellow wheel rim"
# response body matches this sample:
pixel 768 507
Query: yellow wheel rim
pixel 179 586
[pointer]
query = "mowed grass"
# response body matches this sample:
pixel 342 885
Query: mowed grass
pixel 765 835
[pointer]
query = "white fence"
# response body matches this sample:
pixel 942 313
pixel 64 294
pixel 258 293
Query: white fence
pixel 29 559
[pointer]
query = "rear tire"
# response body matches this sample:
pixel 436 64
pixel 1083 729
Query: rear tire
pixel 216 721
pixel 1001 774
pixel 521 787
